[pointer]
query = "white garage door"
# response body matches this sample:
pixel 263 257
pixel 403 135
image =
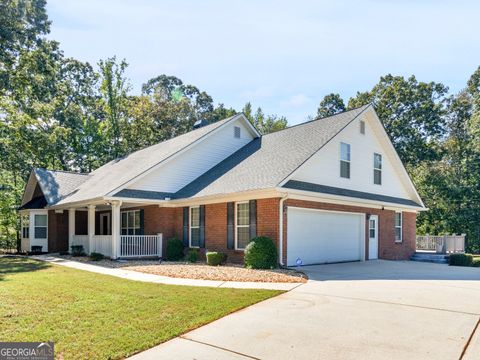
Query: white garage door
pixel 318 237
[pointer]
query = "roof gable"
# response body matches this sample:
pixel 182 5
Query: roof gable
pixel 269 160
pixel 322 168
pixel 118 174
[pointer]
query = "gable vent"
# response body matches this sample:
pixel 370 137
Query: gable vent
pixel 362 127
pixel 236 132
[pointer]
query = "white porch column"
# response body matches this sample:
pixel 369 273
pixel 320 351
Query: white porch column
pixel 71 227
pixel 116 223
pixel 91 227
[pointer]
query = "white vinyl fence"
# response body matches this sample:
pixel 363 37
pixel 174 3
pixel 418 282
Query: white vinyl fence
pixel 102 244
pixel 140 246
pixel 443 244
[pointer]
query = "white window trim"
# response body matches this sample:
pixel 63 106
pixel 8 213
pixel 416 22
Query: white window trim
pixel 35 226
pixel 237 226
pixel 347 161
pixel 398 227
pixel 25 226
pixel 190 227
pixel 379 169
pixel 128 225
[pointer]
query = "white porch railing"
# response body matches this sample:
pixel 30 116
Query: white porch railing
pixel 444 244
pixel 140 245
pixel 80 240
pixel 102 244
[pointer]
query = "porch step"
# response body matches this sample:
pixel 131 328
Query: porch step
pixel 430 257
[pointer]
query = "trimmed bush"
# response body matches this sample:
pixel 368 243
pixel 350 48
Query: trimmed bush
pixel 94 256
pixel 476 261
pixel 174 249
pixel 77 250
pixel 460 259
pixel 261 253
pixel 215 258
pixel 192 255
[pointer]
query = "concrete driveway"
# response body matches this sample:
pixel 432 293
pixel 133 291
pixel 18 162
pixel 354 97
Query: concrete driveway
pixel 370 310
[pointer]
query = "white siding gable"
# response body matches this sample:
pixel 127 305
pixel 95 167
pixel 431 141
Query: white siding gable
pixel 324 166
pixel 183 168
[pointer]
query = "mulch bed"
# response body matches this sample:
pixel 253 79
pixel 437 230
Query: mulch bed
pixel 227 272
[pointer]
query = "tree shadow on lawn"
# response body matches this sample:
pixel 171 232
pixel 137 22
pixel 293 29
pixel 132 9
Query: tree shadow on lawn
pixel 17 264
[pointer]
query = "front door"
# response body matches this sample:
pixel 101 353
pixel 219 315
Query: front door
pixel 373 237
pixel 105 224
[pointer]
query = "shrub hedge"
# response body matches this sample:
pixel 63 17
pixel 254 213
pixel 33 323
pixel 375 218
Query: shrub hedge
pixel 77 250
pixel 174 249
pixel 215 258
pixel 192 255
pixel 261 253
pixel 476 261
pixel 94 256
pixel 460 259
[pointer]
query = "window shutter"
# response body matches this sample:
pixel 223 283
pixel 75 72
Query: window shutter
pixel 202 226
pixel 230 224
pixel 185 226
pixel 253 218
pixel 142 222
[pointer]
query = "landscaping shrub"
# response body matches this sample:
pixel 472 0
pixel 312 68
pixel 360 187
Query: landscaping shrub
pixel 215 258
pixel 94 256
pixel 174 249
pixel 192 255
pixel 476 261
pixel 261 253
pixel 460 259
pixel 77 250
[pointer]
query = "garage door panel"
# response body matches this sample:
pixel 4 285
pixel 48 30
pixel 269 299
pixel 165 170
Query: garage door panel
pixel 321 237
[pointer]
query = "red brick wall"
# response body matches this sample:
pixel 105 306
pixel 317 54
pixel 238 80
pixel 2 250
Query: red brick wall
pixel 387 247
pixel 169 221
pixel 57 231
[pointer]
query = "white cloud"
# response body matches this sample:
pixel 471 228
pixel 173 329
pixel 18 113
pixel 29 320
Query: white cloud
pixel 299 100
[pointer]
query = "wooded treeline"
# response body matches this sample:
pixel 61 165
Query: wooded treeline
pixel 60 113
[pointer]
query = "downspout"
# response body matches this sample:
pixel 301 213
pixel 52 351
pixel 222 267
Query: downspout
pixel 280 233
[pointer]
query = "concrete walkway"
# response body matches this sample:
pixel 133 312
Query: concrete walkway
pixel 158 279
pixel 372 310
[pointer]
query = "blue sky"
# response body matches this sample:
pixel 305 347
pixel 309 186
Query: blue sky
pixel 281 55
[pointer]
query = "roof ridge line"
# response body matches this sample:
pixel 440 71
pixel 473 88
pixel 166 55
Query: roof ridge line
pixel 64 171
pixel 317 119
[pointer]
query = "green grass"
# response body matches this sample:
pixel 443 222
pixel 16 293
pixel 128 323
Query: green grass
pixel 96 316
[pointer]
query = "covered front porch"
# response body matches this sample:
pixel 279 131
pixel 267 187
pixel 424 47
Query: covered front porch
pixel 115 229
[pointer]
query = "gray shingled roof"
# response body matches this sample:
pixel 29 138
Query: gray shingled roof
pixel 265 162
pixel 323 189
pixel 117 172
pixel 56 185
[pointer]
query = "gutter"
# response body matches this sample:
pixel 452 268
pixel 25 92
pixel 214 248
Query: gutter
pixel 280 232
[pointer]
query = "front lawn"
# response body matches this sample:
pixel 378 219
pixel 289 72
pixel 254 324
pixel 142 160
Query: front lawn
pixel 96 316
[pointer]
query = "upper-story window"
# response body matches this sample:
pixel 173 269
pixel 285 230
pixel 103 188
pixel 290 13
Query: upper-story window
pixel 236 132
pixel 194 226
pixel 345 160
pixel 377 169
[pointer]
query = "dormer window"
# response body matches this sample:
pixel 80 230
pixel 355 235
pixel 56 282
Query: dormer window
pixel 236 132
pixel 345 160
